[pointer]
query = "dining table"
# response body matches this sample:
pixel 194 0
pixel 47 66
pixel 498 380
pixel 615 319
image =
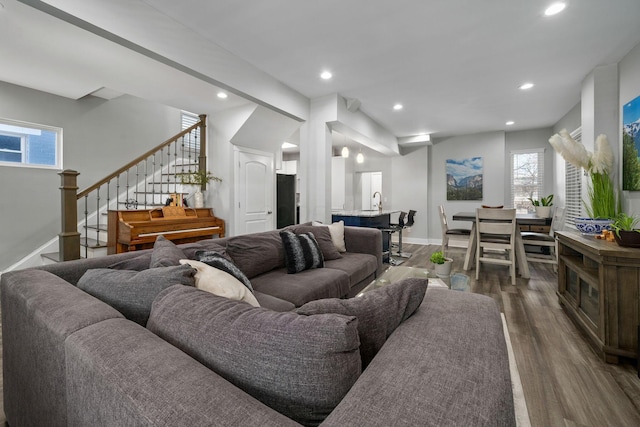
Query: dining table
pixel 522 219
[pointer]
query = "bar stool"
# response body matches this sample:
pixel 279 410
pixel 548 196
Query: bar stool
pixel 409 223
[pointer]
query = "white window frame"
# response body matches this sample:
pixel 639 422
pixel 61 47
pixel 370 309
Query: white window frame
pixel 539 176
pixel 23 129
pixel 189 119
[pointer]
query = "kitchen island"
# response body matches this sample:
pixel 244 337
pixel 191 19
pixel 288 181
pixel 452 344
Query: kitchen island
pixel 368 218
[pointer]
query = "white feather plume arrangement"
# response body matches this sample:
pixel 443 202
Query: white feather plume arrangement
pixel 602 159
pixel 574 152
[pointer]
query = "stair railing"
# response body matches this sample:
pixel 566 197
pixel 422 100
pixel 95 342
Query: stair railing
pixel 145 182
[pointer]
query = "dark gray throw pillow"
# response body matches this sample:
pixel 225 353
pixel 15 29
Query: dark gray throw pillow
pixel 218 261
pixel 301 251
pixel 165 253
pixel 322 236
pixel 379 312
pixel 132 292
pixel 301 366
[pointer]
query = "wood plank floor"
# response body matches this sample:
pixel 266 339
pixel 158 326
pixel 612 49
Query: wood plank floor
pixel 565 383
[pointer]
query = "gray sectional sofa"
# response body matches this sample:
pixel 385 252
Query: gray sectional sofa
pixel 438 358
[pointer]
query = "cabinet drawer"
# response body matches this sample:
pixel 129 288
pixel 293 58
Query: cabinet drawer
pixel 540 228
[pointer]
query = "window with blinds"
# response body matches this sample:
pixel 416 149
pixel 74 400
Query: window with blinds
pixel 29 144
pixel 573 186
pixel 192 140
pixel 527 179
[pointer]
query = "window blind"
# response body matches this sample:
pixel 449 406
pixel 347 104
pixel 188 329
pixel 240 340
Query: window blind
pixel 573 186
pixel 192 140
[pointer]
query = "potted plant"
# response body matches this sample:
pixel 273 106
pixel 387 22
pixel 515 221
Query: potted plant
pixel 199 178
pixel 603 202
pixel 625 231
pixel 442 264
pixel 543 206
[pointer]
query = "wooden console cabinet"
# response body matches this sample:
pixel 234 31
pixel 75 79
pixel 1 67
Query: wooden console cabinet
pixel 599 288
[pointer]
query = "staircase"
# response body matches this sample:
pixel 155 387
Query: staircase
pixel 144 183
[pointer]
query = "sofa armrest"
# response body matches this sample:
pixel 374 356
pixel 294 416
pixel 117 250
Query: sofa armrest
pixel 39 311
pixel 447 365
pixel 72 271
pixel 364 240
pixel 119 373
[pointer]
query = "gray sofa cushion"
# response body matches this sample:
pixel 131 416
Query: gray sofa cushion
pixel 379 312
pixel 358 266
pixel 275 304
pixel 301 251
pixel 301 366
pixel 303 287
pixel 256 253
pixel 132 292
pixel 120 374
pixel 165 253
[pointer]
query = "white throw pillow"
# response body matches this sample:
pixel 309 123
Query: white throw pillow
pixel 220 283
pixel 337 234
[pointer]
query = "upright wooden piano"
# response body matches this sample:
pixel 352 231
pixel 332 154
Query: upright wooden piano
pixel 130 230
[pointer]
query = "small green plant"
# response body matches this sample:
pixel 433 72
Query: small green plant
pixel 199 177
pixel 545 201
pixel 438 257
pixel 625 222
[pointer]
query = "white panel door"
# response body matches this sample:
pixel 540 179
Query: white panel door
pixel 255 182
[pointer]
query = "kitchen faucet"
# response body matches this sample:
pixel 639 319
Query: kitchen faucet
pixel 380 203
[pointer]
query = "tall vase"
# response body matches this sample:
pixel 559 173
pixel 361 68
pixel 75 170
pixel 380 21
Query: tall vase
pixel 198 199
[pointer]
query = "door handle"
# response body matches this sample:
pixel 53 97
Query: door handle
pixel 269 212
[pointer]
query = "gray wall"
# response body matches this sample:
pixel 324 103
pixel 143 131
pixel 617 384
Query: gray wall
pixel 410 190
pixel 491 147
pixel 98 137
pixel 495 149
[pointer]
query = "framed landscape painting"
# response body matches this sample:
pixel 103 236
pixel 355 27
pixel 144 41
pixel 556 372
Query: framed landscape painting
pixel 631 145
pixel 464 179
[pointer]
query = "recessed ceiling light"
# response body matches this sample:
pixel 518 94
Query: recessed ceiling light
pixel 555 8
pixel 509 123
pixel 326 75
pixel 222 95
pixel 398 107
pixel 526 86
pixel 286 145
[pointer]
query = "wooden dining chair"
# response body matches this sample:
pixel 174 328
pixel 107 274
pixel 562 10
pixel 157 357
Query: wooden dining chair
pixel 545 240
pixel 496 239
pixel 451 233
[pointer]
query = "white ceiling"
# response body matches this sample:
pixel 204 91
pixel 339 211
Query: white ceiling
pixel 455 65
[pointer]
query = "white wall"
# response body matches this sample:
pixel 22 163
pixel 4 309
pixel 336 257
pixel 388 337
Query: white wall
pixel 491 146
pixel 98 137
pixel 410 190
